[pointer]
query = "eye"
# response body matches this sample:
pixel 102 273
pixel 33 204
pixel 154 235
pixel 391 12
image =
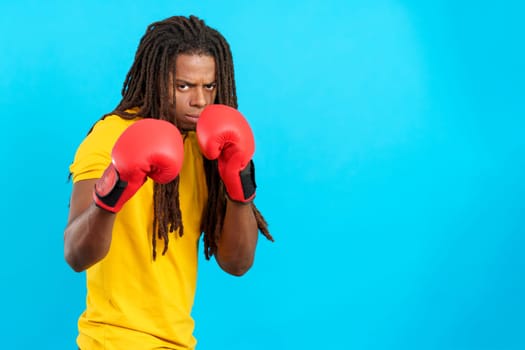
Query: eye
pixel 210 87
pixel 182 87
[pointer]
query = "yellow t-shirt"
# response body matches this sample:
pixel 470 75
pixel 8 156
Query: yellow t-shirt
pixel 132 301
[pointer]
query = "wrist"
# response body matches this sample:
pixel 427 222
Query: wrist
pixel 109 189
pixel 234 202
pixel 240 185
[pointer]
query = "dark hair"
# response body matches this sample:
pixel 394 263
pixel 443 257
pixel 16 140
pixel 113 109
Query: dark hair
pixel 145 88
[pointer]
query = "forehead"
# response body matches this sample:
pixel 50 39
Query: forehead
pixel 195 68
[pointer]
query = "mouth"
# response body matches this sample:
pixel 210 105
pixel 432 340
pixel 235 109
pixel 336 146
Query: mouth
pixel 191 118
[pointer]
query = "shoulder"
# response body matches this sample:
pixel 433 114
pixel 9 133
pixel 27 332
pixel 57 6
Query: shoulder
pixel 106 131
pixel 94 152
pixel 111 125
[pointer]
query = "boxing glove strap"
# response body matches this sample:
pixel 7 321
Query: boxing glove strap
pixel 109 188
pixel 248 184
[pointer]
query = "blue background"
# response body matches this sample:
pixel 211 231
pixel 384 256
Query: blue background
pixel 390 166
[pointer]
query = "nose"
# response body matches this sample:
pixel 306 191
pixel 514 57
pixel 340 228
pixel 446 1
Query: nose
pixel 198 98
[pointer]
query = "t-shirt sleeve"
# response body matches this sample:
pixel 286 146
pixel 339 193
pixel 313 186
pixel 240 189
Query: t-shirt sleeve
pixel 93 155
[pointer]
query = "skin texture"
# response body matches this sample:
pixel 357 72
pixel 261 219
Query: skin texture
pixel 87 237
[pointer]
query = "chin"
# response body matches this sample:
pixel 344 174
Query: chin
pixel 186 128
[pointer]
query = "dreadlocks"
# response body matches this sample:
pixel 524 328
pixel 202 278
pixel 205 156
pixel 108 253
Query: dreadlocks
pixel 145 87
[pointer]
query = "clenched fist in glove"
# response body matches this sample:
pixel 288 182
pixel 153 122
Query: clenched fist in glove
pixel 148 148
pixel 224 134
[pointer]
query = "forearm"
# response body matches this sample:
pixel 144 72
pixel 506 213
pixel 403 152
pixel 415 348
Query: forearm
pixel 87 237
pixel 236 246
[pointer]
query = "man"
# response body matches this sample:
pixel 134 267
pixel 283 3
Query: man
pixel 140 178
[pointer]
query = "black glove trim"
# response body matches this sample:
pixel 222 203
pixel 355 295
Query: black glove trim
pixel 247 176
pixel 110 187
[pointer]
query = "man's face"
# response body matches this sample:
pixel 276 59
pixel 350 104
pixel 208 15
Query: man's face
pixel 195 88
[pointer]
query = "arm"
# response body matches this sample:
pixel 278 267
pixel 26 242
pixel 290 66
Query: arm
pixel 148 148
pixel 236 246
pixel 224 134
pixel 87 236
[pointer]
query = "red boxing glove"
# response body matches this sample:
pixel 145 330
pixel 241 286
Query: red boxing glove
pixel 224 134
pixel 149 147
